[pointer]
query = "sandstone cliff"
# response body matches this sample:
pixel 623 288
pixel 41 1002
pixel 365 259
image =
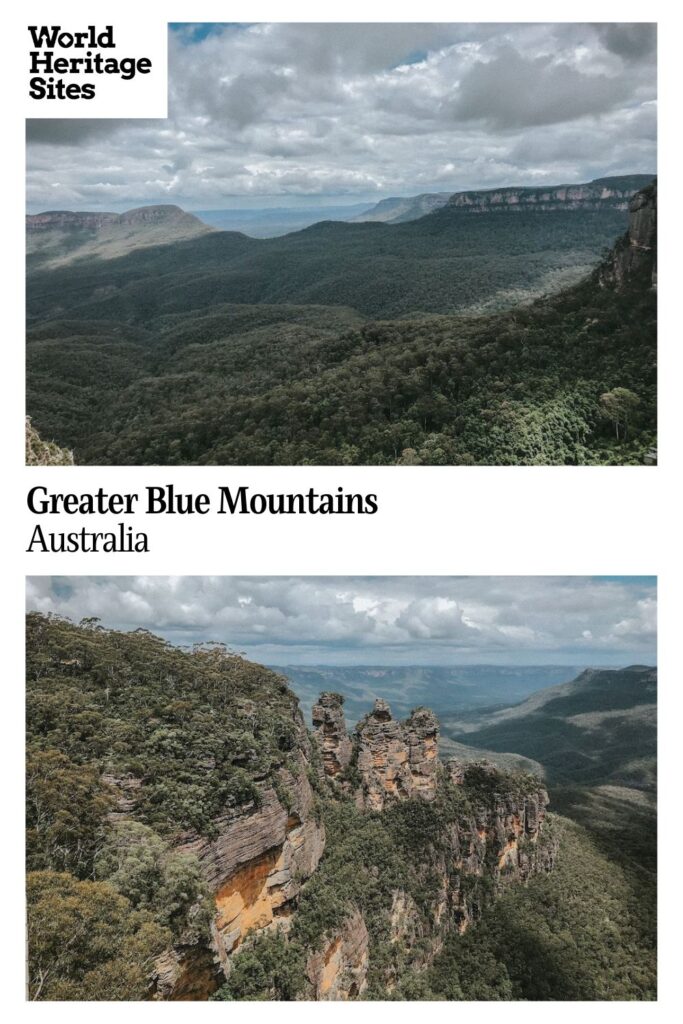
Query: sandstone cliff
pixel 254 868
pixel 339 970
pixel 59 237
pixel 602 193
pixel 614 193
pixel 329 731
pixel 396 761
pixel 635 254
pixel 483 832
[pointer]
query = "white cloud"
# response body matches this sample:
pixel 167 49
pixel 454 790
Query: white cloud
pixel 376 620
pixel 364 111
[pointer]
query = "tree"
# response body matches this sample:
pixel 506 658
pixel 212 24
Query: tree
pixel 85 940
pixel 66 806
pixel 619 404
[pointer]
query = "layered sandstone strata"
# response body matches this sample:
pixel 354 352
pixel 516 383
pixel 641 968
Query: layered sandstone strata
pixel 396 760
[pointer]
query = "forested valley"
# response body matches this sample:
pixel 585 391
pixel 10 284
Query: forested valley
pixel 460 338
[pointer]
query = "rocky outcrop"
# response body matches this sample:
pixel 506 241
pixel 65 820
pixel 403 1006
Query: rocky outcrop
pixel 263 853
pixel 613 193
pixel 44 453
pixel 498 839
pixel 329 731
pixel 635 254
pixel 339 970
pixel 255 866
pixel 258 862
pixel 186 974
pixel 396 760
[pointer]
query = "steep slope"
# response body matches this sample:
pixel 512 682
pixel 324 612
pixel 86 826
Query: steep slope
pixel 599 728
pixel 602 193
pixel 58 238
pixel 179 782
pixel 194 841
pixel 170 804
pixel 44 453
pixel 399 209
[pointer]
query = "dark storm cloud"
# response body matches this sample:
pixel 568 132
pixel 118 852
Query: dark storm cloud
pixel 364 111
pixel 634 42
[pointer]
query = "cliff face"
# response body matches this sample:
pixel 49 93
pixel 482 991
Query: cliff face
pixel 329 732
pixel 339 970
pixel 602 193
pixel 497 840
pixel 494 838
pixel 396 761
pixel 59 237
pixel 635 254
pixel 614 193
pixel 262 854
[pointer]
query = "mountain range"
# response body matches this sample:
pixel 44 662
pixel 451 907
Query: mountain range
pixel 410 343
pixel 601 193
pixel 58 238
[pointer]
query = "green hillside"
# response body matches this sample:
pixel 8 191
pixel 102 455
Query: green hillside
pixel 442 263
pixel 371 344
pixel 600 728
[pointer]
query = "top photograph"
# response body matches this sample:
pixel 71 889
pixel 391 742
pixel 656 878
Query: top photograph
pixel 354 244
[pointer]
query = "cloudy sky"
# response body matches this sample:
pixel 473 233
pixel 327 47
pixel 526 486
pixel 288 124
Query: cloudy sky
pixel 280 115
pixel 438 620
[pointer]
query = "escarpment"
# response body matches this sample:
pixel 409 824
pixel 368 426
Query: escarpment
pixel 241 855
pixel 256 864
pixel 594 195
pixel 254 868
pixel 461 833
pixel 635 254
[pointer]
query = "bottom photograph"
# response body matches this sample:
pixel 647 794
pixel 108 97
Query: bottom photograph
pixel 341 788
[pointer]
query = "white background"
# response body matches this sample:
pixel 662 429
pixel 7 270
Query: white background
pixel 556 521
pixel 143 95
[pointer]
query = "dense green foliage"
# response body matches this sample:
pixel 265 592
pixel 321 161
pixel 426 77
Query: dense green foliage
pixel 229 350
pixel 368 858
pixel 86 941
pixel 196 726
pixel 584 931
pixel 126 721
pixel 132 741
pixel 438 264
pixel 601 728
